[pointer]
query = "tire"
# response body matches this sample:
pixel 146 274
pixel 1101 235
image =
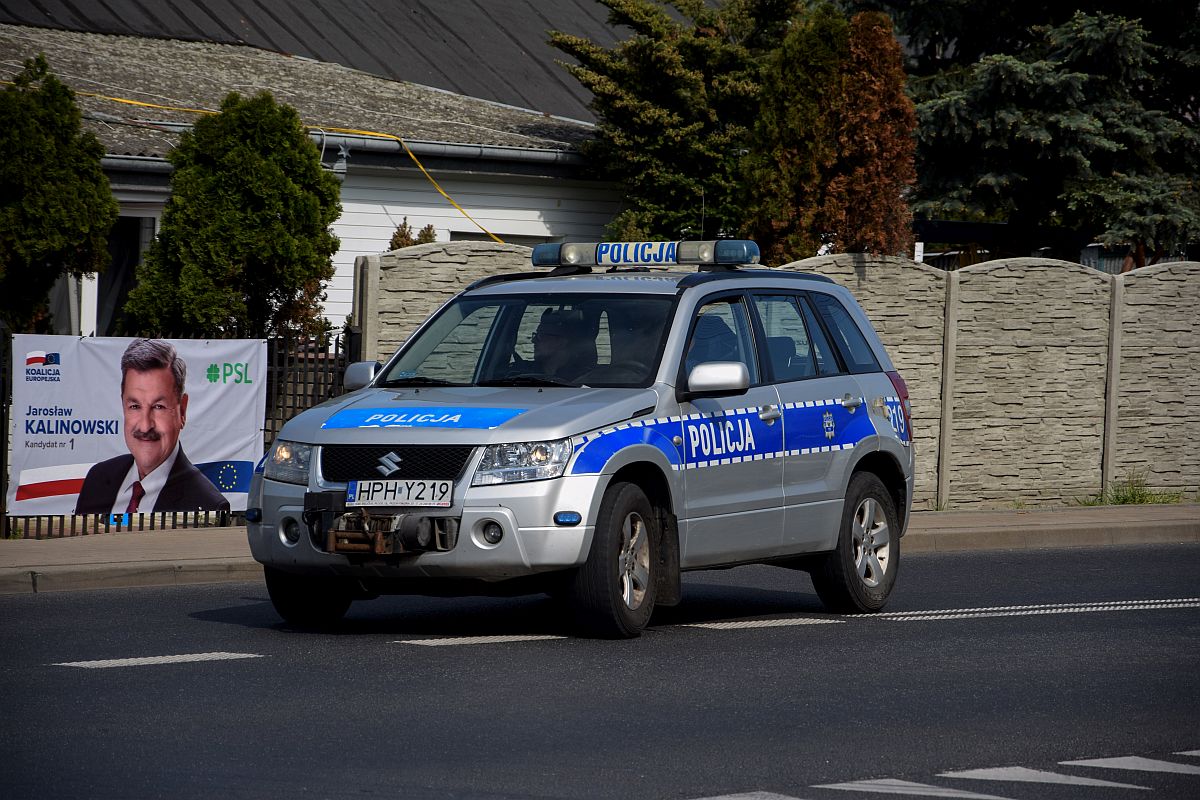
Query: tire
pixel 305 601
pixel 859 574
pixel 613 592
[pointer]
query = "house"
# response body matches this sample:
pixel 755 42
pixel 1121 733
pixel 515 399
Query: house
pixel 516 173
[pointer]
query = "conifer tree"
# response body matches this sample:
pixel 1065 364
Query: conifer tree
pixel 245 243
pixel 56 207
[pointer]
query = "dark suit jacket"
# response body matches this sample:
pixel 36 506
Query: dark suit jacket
pixel 186 489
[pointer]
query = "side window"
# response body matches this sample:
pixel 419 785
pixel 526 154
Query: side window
pixel 722 332
pixel 850 340
pixel 788 348
pixel 827 363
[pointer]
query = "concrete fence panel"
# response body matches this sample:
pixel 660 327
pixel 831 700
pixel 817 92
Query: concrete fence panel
pixel 1158 414
pixel 1029 378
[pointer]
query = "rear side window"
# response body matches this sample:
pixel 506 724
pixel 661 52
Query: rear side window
pixel 849 339
pixel 788 347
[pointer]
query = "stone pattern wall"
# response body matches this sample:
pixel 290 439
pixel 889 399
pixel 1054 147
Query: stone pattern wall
pixel 1158 432
pixel 906 303
pixel 415 281
pixel 1029 383
pixel 1030 363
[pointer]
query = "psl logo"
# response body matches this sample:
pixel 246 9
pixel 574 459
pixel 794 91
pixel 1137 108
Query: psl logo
pixel 827 424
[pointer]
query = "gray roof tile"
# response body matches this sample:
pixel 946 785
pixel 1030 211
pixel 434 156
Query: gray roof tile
pixel 183 74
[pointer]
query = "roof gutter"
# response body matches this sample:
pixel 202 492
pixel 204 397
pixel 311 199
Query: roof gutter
pixel 377 144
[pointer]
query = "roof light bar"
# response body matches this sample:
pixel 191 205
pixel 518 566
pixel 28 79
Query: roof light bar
pixel 645 254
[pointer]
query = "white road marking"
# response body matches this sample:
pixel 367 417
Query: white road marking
pixel 1036 610
pixel 1026 775
pixel 1136 763
pixel 1189 753
pixel 444 642
pixel 142 662
pixel 760 623
pixel 894 786
pixel 751 796
pixel 887 616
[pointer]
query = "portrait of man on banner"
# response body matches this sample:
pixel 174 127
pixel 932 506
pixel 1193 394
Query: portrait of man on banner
pixel 155 475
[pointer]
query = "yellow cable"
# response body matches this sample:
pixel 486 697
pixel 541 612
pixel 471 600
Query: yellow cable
pixel 375 134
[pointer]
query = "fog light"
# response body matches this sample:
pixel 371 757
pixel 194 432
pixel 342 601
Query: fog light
pixel 492 532
pixel 568 518
pixel 291 530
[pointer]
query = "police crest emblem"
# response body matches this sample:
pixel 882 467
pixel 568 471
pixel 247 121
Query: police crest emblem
pixel 827 424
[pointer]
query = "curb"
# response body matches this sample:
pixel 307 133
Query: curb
pixel 221 555
pixel 16 580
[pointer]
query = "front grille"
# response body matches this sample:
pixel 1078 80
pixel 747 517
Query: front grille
pixel 343 463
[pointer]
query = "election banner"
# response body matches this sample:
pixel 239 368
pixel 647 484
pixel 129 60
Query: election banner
pixel 108 425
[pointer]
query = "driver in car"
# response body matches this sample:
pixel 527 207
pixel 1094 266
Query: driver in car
pixel 562 346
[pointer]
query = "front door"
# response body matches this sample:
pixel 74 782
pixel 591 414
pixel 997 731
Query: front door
pixel 733 470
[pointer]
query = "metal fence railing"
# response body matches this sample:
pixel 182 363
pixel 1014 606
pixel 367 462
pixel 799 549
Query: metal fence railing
pixel 301 373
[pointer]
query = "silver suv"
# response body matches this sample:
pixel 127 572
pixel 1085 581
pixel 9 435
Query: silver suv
pixel 592 430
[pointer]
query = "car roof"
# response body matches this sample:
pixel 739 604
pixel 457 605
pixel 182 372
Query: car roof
pixel 636 282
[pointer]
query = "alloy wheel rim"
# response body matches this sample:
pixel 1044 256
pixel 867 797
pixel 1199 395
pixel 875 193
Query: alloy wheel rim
pixel 872 542
pixel 633 561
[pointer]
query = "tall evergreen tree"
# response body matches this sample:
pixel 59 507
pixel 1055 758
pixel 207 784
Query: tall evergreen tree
pixel 1058 135
pixel 245 242
pixel 831 157
pixel 56 207
pixel 675 102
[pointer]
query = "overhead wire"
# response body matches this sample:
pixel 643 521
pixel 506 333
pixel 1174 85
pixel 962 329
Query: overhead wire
pixel 352 131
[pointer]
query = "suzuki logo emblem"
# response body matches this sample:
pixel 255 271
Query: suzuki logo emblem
pixel 390 465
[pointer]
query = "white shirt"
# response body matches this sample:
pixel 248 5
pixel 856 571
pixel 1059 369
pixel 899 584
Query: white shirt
pixel 152 485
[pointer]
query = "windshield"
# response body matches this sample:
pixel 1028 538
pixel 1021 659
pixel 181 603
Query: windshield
pixel 538 340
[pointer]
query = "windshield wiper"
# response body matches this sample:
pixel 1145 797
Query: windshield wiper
pixel 417 381
pixel 526 380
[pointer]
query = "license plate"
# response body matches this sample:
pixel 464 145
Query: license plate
pixel 436 494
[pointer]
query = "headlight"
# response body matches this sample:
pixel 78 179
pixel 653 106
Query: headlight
pixel 523 461
pixel 288 462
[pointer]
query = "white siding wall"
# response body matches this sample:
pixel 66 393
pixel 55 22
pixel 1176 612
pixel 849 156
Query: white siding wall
pixel 373 205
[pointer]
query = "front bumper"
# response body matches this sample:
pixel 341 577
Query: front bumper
pixel 531 542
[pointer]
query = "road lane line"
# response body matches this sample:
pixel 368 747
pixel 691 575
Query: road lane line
pixel 1136 763
pixel 1189 753
pixel 1080 609
pixel 760 623
pixel 750 796
pixel 1026 775
pixel 894 786
pixel 152 660
pixel 1122 603
pixel 448 641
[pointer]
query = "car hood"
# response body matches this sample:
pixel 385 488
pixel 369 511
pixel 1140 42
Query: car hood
pixel 466 415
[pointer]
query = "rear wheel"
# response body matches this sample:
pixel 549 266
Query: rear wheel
pixel 613 592
pixel 859 574
pixel 306 601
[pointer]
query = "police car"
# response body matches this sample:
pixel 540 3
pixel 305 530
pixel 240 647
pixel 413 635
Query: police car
pixel 593 429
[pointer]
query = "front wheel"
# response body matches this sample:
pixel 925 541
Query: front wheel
pixel 859 574
pixel 613 592
pixel 306 601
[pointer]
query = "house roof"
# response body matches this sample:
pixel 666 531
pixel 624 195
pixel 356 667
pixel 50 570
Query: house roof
pixel 173 74
pixel 490 49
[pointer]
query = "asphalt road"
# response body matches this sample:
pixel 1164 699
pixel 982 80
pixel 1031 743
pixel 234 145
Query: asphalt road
pixel 1018 661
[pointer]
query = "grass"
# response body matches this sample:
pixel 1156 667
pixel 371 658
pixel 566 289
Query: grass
pixel 1131 491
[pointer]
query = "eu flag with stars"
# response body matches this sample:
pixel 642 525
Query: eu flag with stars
pixel 228 476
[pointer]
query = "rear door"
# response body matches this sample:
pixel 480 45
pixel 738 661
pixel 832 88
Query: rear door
pixel 823 413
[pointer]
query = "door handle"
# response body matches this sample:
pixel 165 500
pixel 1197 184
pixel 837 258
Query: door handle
pixel 852 403
pixel 769 414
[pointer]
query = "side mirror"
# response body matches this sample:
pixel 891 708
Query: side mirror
pixel 360 374
pixel 716 379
